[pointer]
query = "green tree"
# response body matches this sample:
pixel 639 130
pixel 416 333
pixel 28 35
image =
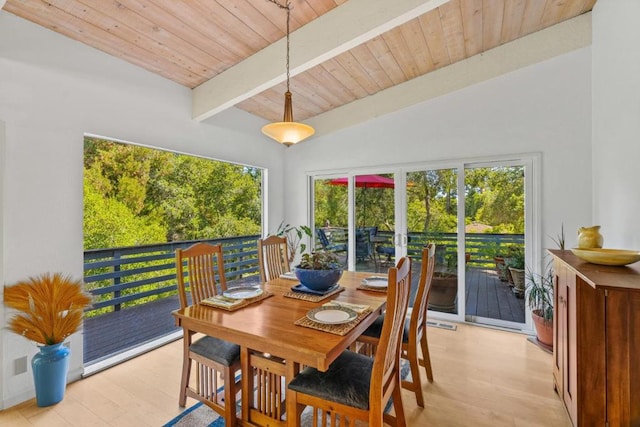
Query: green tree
pixel 437 191
pixel 187 197
pixel 110 223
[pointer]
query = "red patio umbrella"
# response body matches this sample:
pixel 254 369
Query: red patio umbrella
pixel 366 181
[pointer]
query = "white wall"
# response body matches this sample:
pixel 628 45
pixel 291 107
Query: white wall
pixel 543 108
pixel 616 122
pixel 52 91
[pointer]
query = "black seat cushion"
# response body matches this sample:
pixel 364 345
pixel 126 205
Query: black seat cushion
pixel 376 329
pixel 220 351
pixel 346 381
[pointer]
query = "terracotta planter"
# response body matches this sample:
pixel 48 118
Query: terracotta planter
pixel 544 330
pixel 443 293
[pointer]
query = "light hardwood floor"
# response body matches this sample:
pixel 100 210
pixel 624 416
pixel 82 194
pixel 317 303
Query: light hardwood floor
pixel 482 377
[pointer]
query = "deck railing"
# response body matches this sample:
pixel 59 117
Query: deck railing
pixel 127 276
pixel 480 247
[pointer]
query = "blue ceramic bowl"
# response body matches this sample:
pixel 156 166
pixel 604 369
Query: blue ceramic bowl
pixel 318 280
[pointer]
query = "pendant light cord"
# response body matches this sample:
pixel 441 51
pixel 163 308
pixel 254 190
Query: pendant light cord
pixel 287 7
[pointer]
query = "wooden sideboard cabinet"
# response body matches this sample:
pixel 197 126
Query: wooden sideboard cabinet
pixel 596 342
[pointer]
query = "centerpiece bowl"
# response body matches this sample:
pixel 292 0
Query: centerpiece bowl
pixel 318 280
pixel 319 270
pixel 607 256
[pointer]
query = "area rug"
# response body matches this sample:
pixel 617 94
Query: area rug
pixel 200 415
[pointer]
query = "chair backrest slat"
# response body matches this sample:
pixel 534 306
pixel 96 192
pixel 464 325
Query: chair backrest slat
pixel 419 312
pixel 385 374
pixel 273 257
pixel 201 262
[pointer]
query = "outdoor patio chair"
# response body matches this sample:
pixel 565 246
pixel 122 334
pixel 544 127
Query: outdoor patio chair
pixel 215 359
pixel 273 257
pixel 327 245
pixel 415 333
pixel 364 248
pixel 364 392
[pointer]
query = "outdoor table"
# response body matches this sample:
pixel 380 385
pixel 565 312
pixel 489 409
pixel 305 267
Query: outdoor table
pixel 268 327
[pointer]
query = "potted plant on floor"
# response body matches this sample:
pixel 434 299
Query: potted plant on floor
pixel 444 284
pixel 50 309
pixel 515 264
pixel 540 301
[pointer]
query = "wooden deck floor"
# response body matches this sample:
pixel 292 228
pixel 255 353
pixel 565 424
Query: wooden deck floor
pixel 487 296
pixel 116 332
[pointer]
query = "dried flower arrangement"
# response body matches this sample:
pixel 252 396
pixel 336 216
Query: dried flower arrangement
pixel 51 307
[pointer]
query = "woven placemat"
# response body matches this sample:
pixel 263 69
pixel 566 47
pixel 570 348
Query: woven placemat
pixel 341 329
pixel 311 297
pixel 246 302
pixel 371 288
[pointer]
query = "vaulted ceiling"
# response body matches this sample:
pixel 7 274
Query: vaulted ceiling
pixel 231 52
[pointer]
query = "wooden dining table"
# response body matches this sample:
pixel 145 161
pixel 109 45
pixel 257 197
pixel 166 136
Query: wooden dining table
pixel 269 338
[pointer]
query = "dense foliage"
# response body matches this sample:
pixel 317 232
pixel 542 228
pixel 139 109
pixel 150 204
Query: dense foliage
pixel 494 197
pixel 135 195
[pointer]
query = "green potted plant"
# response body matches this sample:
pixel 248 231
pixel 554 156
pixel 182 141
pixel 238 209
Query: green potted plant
pixel 540 301
pixel 295 236
pixel 319 270
pixel 515 264
pixel 50 310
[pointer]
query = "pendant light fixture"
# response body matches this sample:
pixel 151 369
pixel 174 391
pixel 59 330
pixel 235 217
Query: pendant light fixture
pixel 287 131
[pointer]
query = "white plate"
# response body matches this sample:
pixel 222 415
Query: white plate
pixel 376 282
pixel 242 292
pixel 332 315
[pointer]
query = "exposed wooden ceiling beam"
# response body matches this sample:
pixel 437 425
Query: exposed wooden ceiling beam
pixel 335 32
pixel 536 47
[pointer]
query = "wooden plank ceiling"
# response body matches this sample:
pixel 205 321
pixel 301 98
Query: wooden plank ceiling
pixel 190 42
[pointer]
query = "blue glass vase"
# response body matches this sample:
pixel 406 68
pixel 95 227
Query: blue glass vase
pixel 50 367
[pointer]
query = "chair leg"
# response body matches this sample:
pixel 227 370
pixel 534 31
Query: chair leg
pixel 229 398
pixel 400 420
pixel 186 372
pixel 415 385
pixel 294 409
pixel 426 360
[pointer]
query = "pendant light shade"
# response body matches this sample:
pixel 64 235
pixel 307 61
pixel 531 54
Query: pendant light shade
pixel 287 132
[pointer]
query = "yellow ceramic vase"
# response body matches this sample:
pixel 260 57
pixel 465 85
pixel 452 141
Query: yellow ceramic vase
pixel 589 237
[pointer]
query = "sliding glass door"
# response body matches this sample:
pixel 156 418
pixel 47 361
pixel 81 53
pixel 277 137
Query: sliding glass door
pixel 331 216
pixel 366 243
pixel 374 222
pixel 495 244
pixel 432 217
pixel 475 215
pixel 479 215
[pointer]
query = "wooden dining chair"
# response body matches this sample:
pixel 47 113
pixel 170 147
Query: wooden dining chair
pixel 216 360
pixel 273 257
pixel 358 387
pixel 415 333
